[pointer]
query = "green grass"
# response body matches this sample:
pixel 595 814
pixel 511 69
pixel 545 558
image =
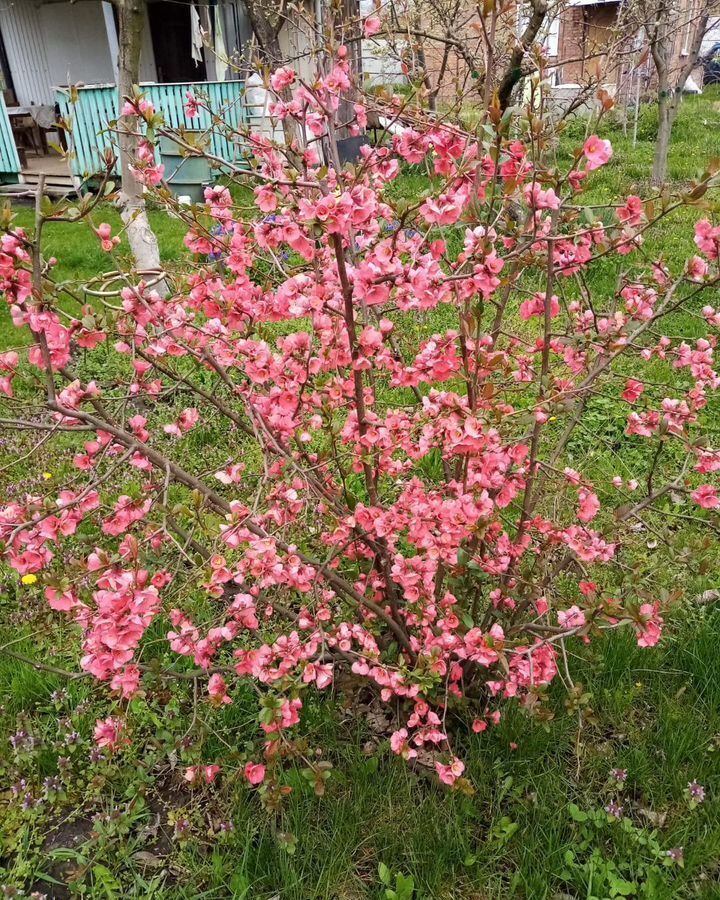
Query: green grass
pixel 534 828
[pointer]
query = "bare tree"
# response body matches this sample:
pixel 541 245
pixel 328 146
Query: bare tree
pixel 675 30
pixel 483 38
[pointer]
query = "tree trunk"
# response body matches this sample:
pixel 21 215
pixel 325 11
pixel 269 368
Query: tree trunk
pixel 433 95
pixel 422 65
pixel 670 88
pixel 667 109
pixel 513 71
pixel 143 243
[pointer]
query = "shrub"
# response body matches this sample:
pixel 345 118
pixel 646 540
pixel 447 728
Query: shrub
pixel 341 444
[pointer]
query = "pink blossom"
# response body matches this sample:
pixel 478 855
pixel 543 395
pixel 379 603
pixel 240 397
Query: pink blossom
pixel 127 681
pixel 573 617
pixel 632 212
pixel 597 152
pixel 649 626
pixel 108 242
pixel 254 773
pixel 449 773
pixel 706 496
pixel 697 268
pixel 282 78
pixel 633 390
pixel 537 198
pixel 191 105
pixel 707 238
pixel 399 744
pixel 108 733
pixel 442 210
pixel 589 505
pixel 205 773
pixel 217 689
pixel 372 26
pixel 536 306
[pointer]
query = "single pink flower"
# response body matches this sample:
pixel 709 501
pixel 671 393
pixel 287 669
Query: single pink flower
pixel 218 690
pixel 282 78
pixel 706 496
pixel 255 773
pixel 571 618
pixel 633 390
pixel 597 152
pixel 108 733
pixel 372 26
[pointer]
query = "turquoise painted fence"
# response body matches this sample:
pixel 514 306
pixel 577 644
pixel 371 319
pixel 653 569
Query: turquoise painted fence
pixel 9 161
pixel 97 105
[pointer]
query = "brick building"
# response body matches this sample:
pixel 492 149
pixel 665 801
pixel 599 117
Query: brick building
pixel 587 42
pixel 597 43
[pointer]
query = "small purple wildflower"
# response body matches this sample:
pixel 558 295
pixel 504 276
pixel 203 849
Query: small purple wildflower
pixel 22 742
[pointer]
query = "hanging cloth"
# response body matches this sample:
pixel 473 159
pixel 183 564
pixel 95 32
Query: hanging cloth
pixel 221 66
pixel 196 41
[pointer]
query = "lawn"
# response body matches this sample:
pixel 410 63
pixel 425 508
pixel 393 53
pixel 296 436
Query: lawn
pixel 536 825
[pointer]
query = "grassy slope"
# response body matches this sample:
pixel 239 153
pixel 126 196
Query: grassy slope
pixel 657 715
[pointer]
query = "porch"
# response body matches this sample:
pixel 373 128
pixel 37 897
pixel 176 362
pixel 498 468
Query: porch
pixel 92 110
pixel 47 46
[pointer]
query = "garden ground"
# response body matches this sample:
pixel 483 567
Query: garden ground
pixel 537 825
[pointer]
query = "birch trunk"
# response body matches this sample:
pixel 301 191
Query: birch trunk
pixel 142 239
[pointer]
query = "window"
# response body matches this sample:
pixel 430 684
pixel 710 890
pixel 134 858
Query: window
pixel 552 36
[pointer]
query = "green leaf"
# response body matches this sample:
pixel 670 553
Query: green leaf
pixel 384 874
pixel 576 814
pixel 620 887
pixel 405 886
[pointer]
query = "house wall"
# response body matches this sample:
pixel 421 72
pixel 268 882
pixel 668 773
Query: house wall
pixel 712 35
pixel 25 48
pixel 587 26
pixel 571 44
pixel 60 43
pixel 297 39
pixel 76 43
pixel 379 64
pixel 148 72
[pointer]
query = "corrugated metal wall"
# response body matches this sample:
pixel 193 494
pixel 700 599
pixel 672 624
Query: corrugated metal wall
pixel 24 46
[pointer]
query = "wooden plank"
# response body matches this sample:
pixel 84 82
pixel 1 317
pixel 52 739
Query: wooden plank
pixel 9 161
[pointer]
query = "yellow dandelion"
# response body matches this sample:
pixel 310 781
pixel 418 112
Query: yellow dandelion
pixel 29 579
pixel 47 475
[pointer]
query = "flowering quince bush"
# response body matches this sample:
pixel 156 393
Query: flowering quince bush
pixel 396 503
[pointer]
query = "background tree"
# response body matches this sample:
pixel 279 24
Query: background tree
pixel 675 30
pixel 486 45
